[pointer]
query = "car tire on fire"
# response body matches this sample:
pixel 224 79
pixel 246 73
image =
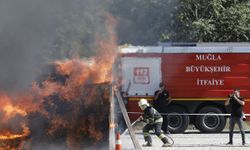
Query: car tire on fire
pixel 208 123
pixel 177 123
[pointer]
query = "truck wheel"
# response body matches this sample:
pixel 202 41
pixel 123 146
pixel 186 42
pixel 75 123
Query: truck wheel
pixel 208 123
pixel 177 123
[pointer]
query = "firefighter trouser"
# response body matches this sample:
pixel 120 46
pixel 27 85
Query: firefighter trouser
pixel 232 122
pixel 158 132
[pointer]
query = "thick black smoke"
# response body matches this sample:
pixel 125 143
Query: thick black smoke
pixel 24 31
pixel 33 32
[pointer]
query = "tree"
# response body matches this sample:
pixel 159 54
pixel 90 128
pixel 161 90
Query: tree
pixel 234 24
pixel 210 21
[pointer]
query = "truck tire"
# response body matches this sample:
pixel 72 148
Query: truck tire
pixel 177 123
pixel 210 124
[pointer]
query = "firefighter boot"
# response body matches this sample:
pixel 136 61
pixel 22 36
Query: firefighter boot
pixel 166 142
pixel 166 145
pixel 148 144
pixel 148 139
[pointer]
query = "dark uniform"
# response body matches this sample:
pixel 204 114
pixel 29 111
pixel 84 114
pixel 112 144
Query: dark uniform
pixel 236 117
pixel 160 104
pixel 154 121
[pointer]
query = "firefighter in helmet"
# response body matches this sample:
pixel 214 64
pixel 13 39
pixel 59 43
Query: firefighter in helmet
pixel 154 122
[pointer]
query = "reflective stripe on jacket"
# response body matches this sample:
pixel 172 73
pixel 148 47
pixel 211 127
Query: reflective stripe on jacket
pixel 152 115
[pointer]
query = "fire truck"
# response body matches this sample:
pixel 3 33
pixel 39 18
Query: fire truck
pixel 198 76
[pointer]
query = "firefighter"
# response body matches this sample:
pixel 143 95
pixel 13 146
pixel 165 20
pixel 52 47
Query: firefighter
pixel 154 122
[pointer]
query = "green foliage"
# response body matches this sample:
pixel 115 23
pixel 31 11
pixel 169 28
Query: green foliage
pixel 211 21
pixel 234 24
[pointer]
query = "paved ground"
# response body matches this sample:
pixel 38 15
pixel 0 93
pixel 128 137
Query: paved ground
pixel 192 140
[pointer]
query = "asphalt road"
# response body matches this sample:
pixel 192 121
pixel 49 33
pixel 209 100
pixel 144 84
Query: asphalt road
pixel 191 140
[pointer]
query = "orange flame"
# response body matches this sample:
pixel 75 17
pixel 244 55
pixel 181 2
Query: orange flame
pixel 79 72
pixel 9 109
pixel 8 135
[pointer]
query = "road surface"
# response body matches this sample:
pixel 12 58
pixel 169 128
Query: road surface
pixel 191 140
